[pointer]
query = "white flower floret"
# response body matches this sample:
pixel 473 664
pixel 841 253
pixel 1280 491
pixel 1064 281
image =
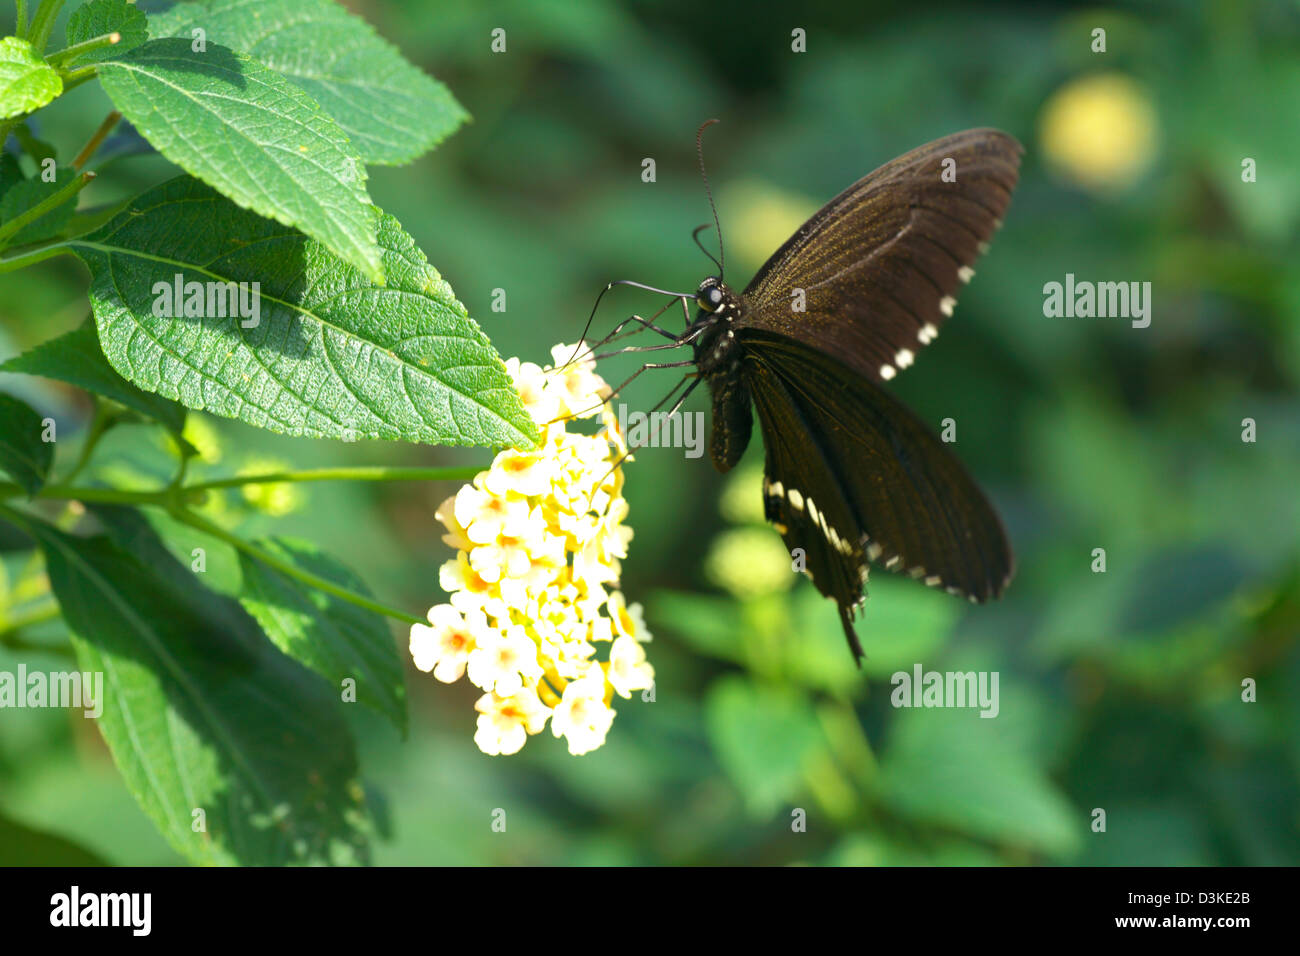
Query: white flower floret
pixel 582 717
pixel 502 659
pixel 504 723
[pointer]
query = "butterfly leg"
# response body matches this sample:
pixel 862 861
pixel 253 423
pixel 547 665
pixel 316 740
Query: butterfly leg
pixel 694 380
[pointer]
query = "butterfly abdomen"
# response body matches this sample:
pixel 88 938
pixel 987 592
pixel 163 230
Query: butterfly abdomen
pixel 733 421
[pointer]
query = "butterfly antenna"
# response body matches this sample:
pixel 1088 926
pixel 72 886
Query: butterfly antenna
pixel 699 149
pixel 696 236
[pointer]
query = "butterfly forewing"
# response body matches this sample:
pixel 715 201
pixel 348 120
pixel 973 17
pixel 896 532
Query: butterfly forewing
pixel 871 278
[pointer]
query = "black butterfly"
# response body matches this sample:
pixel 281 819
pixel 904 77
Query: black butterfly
pixel 852 477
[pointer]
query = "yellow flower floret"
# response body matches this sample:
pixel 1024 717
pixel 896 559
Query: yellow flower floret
pixel 539 538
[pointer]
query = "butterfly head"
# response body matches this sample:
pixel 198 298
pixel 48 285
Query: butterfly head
pixel 715 299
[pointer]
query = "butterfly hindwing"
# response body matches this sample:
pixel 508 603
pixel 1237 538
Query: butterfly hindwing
pixel 805 501
pixel 854 477
pixel 871 278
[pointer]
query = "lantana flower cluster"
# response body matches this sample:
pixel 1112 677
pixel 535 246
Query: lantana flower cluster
pixel 535 619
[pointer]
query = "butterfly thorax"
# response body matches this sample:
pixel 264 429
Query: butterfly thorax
pixel 717 356
pixel 716 348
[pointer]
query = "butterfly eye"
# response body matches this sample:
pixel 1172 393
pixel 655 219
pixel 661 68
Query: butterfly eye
pixel 713 297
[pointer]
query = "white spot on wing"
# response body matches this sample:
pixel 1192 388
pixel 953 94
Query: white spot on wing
pixel 887 372
pixel 927 334
pixel 946 305
pixel 796 499
pixel 965 273
pixel 904 358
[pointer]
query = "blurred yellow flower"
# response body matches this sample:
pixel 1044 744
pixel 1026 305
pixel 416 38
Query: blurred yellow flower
pixel 749 562
pixel 742 496
pixel 275 498
pixel 538 537
pixel 761 218
pixel 1099 131
pixel 198 431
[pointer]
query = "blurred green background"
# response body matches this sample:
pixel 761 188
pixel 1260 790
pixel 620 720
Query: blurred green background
pixel 1119 690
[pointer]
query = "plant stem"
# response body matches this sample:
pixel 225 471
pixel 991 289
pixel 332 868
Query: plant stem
pixel 161 496
pixel 97 140
pixel 22 260
pixel 198 523
pixel 11 631
pixel 39 616
pixel 103 420
pixel 68 54
pixel 358 473
pixel 20 28
pixel 43 23
pixel 105 496
pixel 171 499
pixel 41 208
pixel 12 640
pixel 74 78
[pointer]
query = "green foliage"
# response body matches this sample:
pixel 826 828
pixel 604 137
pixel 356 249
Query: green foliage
pixel 765 738
pixel 222 116
pixel 24 455
pixel 20 844
pixel 77 359
pixel 28 193
pixel 26 81
pixel 226 686
pixel 100 17
pixel 332 355
pixel 337 640
pixel 361 69
pixel 201 713
pixel 954 769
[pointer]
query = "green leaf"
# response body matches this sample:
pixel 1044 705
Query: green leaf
pixel 100 17
pixel 26 81
pixel 764 737
pixel 902 623
pixel 391 110
pixel 707 624
pixel 336 639
pixel 77 359
pixel 253 135
pixel 28 193
pixel 24 457
pixel 955 769
pixel 332 355
pixel 11 174
pixel 21 845
pixel 201 712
